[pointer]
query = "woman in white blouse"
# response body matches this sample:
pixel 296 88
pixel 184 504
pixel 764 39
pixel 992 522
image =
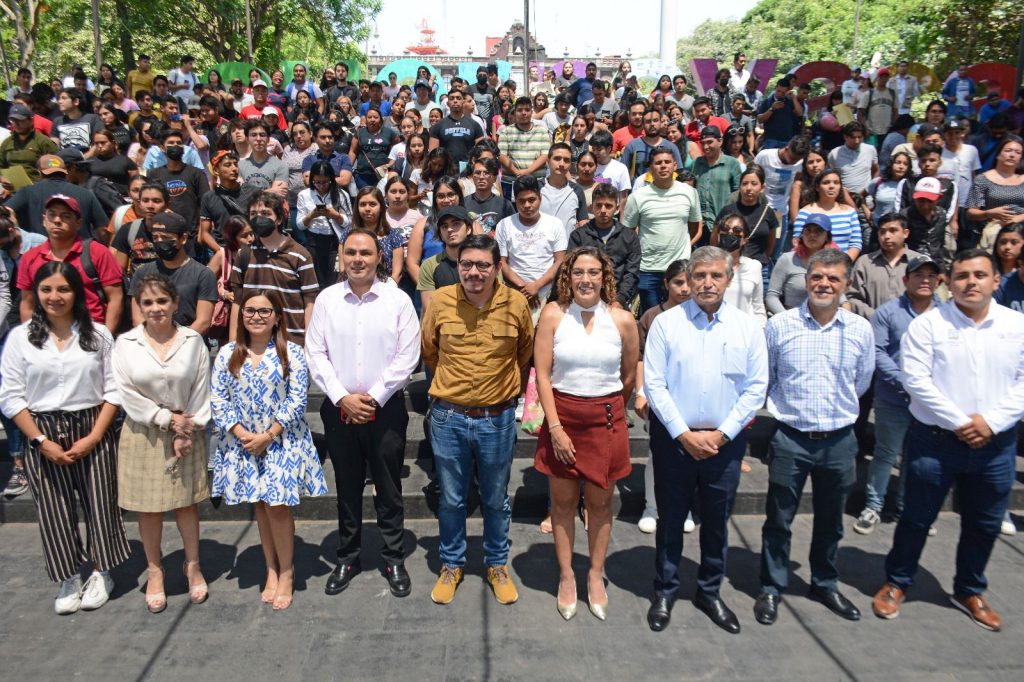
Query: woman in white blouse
pixel 163 378
pixel 324 211
pixel 58 387
pixel 746 288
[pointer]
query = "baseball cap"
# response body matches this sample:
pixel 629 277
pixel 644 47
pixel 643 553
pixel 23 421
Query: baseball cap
pixel 421 83
pixel 259 83
pixel 926 129
pixel 711 131
pixel 19 112
pixel 271 111
pixel 928 188
pixel 457 212
pixel 882 72
pixel 170 222
pixel 72 156
pixel 992 94
pixel 70 202
pixel 918 262
pixel 952 124
pixel 50 164
pixel 819 219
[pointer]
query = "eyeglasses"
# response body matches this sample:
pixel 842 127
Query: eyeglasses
pixel 482 266
pixel 738 229
pixel 262 313
pixel 482 174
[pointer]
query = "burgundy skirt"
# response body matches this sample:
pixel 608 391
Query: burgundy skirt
pixel 598 430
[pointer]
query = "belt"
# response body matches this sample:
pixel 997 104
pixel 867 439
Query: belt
pixel 818 435
pixel 475 412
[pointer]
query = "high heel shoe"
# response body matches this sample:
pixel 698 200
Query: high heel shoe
pixel 155 603
pixel 567 611
pixel 198 593
pixel 600 611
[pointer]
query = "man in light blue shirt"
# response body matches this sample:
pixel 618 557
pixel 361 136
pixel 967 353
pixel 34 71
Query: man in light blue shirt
pixel 705 376
pixel 822 358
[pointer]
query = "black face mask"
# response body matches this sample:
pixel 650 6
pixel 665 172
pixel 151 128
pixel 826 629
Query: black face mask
pixel 729 242
pixel 166 249
pixel 723 82
pixel 175 153
pixel 262 226
pixel 481 79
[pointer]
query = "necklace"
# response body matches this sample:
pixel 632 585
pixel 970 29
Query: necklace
pixel 62 339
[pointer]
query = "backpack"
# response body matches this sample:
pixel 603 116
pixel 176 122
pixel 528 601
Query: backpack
pixel 107 193
pixel 90 270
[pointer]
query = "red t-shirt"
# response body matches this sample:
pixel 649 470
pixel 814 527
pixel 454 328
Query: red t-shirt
pixel 693 128
pixel 623 136
pixel 43 125
pixel 254 113
pixel 107 269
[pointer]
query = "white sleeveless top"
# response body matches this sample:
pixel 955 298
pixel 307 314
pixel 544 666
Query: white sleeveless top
pixel 587 365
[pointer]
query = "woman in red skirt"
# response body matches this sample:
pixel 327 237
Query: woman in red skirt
pixel 585 353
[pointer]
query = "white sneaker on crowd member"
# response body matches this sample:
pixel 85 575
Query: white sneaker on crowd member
pixel 69 599
pixel 867 521
pixel 1007 527
pixel 97 590
pixel 688 524
pixel 648 522
pixel 18 483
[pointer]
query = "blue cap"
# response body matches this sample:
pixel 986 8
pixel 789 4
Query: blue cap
pixel 819 219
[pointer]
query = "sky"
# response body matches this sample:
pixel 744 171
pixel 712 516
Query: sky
pixel 596 24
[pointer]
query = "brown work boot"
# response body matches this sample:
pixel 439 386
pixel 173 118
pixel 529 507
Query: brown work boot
pixel 501 582
pixel 975 606
pixel 887 601
pixel 447 583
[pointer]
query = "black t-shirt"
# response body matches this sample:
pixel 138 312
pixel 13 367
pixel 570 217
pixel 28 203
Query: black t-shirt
pixel 220 204
pixel 457 136
pixel 140 251
pixel 193 281
pixel 761 221
pixel 140 121
pixel 490 211
pixel 115 169
pixel 185 187
pixel 375 147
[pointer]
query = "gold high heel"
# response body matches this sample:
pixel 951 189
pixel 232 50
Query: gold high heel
pixel 199 593
pixel 567 611
pixel 600 611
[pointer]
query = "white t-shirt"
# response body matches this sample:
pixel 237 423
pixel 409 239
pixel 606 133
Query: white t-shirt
pixel 614 172
pixel 854 166
pixel 561 203
pixel 849 90
pixel 179 77
pixel 778 177
pixel 551 121
pixel 531 250
pixel 961 166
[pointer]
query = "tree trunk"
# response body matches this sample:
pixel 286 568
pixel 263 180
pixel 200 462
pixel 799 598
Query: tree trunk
pixel 124 36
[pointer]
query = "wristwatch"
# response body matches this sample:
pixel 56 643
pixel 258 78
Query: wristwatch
pixel 725 438
pixel 38 441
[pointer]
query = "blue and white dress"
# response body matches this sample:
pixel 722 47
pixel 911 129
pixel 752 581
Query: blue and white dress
pixel 256 398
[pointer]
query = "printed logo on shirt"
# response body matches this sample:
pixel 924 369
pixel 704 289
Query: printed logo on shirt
pixel 176 187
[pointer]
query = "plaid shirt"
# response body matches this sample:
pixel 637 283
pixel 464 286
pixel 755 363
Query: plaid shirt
pixel 817 374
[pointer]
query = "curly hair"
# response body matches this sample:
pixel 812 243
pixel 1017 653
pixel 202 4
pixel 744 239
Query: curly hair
pixel 564 277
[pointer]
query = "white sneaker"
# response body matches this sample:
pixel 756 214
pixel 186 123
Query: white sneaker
pixel 932 532
pixel 648 522
pixel 97 590
pixel 1007 527
pixel 688 524
pixel 69 599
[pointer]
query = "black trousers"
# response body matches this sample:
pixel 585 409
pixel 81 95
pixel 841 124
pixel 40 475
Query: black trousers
pixel 379 444
pixel 324 249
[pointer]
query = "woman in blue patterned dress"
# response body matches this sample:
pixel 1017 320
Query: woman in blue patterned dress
pixel 266 454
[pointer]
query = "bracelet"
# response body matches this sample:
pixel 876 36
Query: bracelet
pixel 552 427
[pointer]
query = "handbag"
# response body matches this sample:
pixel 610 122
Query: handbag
pixel 222 308
pixel 533 413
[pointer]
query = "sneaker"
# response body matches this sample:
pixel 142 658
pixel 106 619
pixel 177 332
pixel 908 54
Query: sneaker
pixel 447 583
pixel 18 484
pixel 1007 527
pixel 69 599
pixel 648 522
pixel 867 521
pixel 688 525
pixel 97 590
pixel 501 582
pixel 932 532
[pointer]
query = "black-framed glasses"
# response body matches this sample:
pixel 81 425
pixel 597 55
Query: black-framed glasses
pixel 482 266
pixel 262 313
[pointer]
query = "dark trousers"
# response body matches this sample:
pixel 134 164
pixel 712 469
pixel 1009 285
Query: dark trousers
pixel 680 481
pixel 935 460
pixel 324 248
pixel 381 445
pixel 831 465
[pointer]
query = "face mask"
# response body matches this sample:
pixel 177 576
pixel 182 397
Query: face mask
pixel 481 79
pixel 723 81
pixel 166 250
pixel 729 242
pixel 262 226
pixel 175 153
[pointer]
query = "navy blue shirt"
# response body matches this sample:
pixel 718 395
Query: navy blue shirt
pixel 1011 292
pixel 783 122
pixel 889 323
pixel 583 88
pixel 339 162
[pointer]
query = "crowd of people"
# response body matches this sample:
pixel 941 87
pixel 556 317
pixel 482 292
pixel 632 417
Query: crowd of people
pixel 184 257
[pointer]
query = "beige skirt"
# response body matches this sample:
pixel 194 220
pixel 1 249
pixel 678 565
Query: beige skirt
pixel 144 483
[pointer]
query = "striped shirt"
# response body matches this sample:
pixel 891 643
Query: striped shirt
pixel 523 148
pixel 845 228
pixel 287 270
pixel 817 374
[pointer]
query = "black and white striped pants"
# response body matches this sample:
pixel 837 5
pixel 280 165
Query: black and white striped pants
pixel 92 480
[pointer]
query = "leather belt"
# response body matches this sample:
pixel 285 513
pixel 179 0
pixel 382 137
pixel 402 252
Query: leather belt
pixel 818 435
pixel 475 412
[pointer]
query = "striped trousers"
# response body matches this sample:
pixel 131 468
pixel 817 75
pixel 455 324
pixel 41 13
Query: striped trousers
pixel 57 489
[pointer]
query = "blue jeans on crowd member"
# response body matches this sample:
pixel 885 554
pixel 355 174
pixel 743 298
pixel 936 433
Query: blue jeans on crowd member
pixel 936 459
pixel 506 187
pixel 651 289
pixel 891 424
pixel 456 440
pixel 831 465
pixel 782 244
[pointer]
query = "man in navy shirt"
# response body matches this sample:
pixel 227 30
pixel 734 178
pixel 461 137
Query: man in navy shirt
pixel 1011 289
pixel 582 89
pixel 323 135
pixel 778 115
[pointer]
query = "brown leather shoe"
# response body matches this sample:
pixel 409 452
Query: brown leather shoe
pixel 977 608
pixel 887 601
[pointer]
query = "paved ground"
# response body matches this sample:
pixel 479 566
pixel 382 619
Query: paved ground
pixel 365 634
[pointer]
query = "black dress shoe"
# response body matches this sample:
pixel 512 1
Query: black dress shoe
pixel 720 614
pixel 835 602
pixel 660 613
pixel 341 577
pixel 766 608
pixel 398 579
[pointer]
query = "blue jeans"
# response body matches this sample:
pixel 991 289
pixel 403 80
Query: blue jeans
pixel 782 244
pixel 891 424
pixel 457 440
pixel 651 289
pixel 936 459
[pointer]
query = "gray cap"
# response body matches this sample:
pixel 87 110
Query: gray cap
pixel 421 83
pixel 19 112
pixel 918 262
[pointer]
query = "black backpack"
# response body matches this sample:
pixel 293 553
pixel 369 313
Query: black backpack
pixel 107 193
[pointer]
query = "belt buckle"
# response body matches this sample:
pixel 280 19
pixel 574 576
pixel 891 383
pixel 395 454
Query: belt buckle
pixel 818 435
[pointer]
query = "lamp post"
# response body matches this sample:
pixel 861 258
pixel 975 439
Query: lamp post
pixel 526 45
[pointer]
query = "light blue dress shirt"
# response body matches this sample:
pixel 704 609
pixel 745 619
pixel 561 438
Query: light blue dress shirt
pixel 818 373
pixel 705 374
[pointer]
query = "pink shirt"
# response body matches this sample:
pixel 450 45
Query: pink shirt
pixel 362 345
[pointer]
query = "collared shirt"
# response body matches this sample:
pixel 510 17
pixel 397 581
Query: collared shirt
pixel 46 379
pixel 107 270
pixel 523 147
pixel 477 353
pixel 705 374
pixel 953 368
pixel 738 78
pixel 818 373
pixel 715 183
pixel 889 324
pixel 362 345
pixel 875 281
